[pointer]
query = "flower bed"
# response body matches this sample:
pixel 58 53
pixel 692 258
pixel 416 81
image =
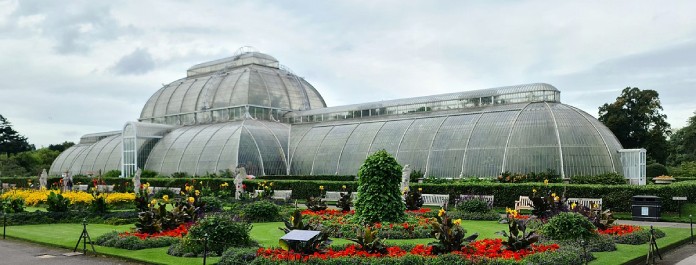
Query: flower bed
pixel 341 224
pixel 619 230
pixel 35 197
pixel 180 231
pixel 486 248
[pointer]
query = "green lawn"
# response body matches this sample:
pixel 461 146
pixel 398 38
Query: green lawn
pixel 66 235
pixel 267 234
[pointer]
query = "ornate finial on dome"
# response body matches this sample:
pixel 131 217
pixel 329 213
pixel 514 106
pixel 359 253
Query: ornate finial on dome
pixel 243 50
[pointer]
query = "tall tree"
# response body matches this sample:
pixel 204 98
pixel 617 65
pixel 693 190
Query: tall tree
pixel 60 147
pixel 637 122
pixel 683 144
pixel 11 142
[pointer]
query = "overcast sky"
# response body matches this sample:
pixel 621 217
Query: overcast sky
pixel 69 68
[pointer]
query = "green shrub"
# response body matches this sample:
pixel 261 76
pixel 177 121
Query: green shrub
pixel 222 230
pixel 568 226
pixel 160 194
pixel 654 170
pixel 238 256
pixel 148 174
pixel 473 206
pixel 179 175
pixel 12 205
pixel 612 178
pixel 638 237
pixel 212 204
pixel 311 177
pixel 489 215
pixel 112 174
pixel 602 243
pixel 549 174
pixel 378 185
pixel 57 203
pixel 112 239
pixel 261 211
pixel 98 205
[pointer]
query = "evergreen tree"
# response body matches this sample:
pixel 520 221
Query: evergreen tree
pixel 379 198
pixel 11 142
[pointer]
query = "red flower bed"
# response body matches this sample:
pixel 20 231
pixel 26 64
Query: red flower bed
pixel 328 212
pixel 619 230
pixel 488 248
pixel 419 211
pixel 180 231
pixel 493 248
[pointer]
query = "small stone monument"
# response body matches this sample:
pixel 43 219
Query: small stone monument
pixel 67 181
pixel 136 181
pixel 405 177
pixel 43 179
pixel 238 181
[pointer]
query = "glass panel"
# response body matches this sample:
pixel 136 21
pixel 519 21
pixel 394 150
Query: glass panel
pixel 415 145
pixel 249 154
pixel 389 136
pixel 304 154
pixel 484 157
pixel 449 146
pixel 533 145
pixel 326 159
pixel 356 148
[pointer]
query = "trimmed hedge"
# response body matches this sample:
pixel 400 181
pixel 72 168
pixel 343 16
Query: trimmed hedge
pixel 316 177
pixel 615 197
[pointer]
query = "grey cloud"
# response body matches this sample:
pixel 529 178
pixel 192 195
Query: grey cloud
pixel 75 26
pixel 136 63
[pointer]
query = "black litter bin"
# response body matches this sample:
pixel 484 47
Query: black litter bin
pixel 646 208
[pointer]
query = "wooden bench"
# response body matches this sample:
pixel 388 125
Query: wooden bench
pixel 336 195
pixel 489 199
pixel 591 203
pixel 277 194
pixel 435 199
pixel 524 203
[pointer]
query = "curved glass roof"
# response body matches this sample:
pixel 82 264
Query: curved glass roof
pixel 197 150
pixel 248 79
pixel 89 158
pixel 523 137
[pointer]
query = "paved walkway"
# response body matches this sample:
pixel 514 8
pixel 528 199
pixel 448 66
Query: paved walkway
pixel 683 255
pixel 18 252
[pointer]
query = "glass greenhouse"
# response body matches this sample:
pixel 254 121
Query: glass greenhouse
pixel 249 110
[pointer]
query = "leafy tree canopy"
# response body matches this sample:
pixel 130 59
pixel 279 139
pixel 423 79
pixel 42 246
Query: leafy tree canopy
pixel 637 122
pixel 11 142
pixel 683 144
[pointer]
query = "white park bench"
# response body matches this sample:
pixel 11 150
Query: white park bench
pixel 524 203
pixel 277 194
pixel 7 186
pixel 489 199
pixel 435 199
pixel 105 188
pixel 591 203
pixel 81 187
pixel 153 190
pixel 336 195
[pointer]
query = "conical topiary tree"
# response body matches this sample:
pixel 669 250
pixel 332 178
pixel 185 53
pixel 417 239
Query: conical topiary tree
pixel 379 198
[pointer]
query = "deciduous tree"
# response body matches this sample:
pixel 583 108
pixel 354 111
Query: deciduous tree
pixel 637 122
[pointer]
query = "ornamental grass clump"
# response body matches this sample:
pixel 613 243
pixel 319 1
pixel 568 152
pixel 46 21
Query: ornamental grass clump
pixel 518 238
pixel 378 185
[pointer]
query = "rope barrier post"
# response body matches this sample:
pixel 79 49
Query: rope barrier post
pixel 691 224
pixel 584 251
pixel 205 247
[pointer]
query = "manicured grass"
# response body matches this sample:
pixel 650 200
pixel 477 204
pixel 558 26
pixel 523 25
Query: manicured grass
pixel 268 234
pixel 66 235
pixel 625 253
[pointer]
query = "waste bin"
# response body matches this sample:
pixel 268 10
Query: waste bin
pixel 646 208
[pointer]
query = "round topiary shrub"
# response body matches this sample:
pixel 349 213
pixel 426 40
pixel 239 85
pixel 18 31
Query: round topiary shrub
pixel 654 170
pixel 223 231
pixel 569 226
pixel 473 206
pixel 379 197
pixel 261 211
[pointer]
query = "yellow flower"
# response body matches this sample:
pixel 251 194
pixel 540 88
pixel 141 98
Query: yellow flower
pixel 292 219
pixel 457 222
pixel 573 205
pixel 546 182
pixel 153 201
pixel 405 189
pixel 556 198
pixel 165 198
pixel 420 189
pixel 225 184
pixel 321 187
pixel 344 187
pixel 188 188
pixel 508 210
pixel 534 190
pixel 182 193
pixel 441 212
pixel 270 184
pixel 553 194
pixel 149 205
pixel 191 199
pixel 198 193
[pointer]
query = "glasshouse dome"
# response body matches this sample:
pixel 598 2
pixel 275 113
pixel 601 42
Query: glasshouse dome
pixel 248 110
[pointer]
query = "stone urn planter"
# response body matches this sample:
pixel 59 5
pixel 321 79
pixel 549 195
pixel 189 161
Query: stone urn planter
pixel 663 179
